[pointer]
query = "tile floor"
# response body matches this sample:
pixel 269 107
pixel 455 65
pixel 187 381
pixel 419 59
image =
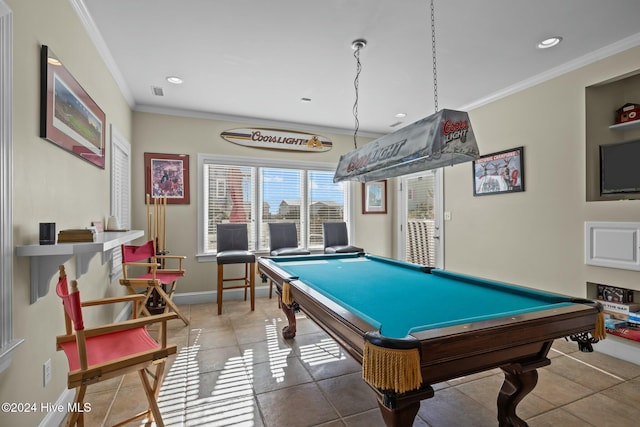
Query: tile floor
pixel 237 370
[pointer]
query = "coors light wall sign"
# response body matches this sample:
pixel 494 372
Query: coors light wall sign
pixel 442 139
pixel 278 139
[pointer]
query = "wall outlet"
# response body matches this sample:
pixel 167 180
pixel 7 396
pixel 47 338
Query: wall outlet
pixel 46 372
pixel 447 216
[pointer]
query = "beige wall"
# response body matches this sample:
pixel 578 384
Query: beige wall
pixel 534 238
pixel 158 133
pixel 50 184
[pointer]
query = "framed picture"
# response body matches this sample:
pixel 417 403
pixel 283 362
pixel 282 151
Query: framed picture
pixel 501 172
pixel 374 197
pixel 167 175
pixel 69 117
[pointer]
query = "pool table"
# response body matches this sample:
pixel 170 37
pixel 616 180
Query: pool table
pixel 412 326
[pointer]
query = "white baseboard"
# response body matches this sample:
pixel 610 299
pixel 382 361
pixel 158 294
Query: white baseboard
pixel 211 296
pixel 620 348
pixel 55 418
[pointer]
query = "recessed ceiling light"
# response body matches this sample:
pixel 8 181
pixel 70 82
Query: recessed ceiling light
pixel 175 80
pixel 401 115
pixel 550 42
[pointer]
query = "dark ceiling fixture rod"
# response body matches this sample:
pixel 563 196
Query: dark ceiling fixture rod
pixel 357 46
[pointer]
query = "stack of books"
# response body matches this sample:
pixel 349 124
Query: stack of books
pixel 622 314
pixel 76 236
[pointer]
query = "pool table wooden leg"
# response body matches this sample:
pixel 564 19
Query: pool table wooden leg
pixel 402 416
pixel 518 382
pixel 401 410
pixel 288 331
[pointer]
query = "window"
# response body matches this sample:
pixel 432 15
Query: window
pixel 120 191
pixel 281 200
pixel 325 205
pixel 260 191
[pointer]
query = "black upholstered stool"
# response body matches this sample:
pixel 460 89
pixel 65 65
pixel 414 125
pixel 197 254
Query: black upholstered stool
pixel 283 241
pixel 233 248
pixel 336 239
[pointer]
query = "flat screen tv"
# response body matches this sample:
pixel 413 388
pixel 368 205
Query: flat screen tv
pixel 620 167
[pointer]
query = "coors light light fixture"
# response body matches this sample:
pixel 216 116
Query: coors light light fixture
pixel 442 139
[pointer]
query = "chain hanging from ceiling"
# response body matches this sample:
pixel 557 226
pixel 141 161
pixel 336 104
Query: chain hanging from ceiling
pixel 357 46
pixel 418 147
pixel 433 55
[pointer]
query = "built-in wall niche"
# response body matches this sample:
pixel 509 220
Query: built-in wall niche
pixel 602 101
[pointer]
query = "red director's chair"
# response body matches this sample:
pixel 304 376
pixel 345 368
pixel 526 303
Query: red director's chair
pixel 99 353
pixel 157 280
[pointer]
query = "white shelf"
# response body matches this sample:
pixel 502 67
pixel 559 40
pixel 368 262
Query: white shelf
pixel 623 127
pixel 45 259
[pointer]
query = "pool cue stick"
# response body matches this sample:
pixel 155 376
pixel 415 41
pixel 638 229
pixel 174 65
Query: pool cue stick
pixel 148 217
pixel 164 225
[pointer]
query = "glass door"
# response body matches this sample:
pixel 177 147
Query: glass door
pixel 420 212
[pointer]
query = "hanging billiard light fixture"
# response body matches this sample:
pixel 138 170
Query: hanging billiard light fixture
pixel 443 139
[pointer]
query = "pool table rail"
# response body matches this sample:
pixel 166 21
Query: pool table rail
pixel 344 326
pixel 466 349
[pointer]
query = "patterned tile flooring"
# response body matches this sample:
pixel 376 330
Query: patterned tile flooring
pixel 237 370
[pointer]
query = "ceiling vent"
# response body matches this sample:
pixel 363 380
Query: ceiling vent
pixel 157 91
pixel 395 124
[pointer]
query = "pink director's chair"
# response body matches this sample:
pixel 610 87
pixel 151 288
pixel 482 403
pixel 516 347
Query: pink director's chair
pixel 157 279
pixel 103 352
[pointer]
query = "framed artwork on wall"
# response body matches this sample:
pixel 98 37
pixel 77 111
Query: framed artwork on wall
pixel 500 172
pixel 167 175
pixel 69 117
pixel 374 197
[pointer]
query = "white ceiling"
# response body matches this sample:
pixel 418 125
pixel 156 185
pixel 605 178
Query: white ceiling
pixel 256 59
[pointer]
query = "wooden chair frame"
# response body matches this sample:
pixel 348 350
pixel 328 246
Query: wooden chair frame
pixel 233 248
pixel 152 282
pixel 140 362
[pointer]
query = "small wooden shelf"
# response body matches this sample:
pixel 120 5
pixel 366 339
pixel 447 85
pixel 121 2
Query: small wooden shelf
pixel 45 259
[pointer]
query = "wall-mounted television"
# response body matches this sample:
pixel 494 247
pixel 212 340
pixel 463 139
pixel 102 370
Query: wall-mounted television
pixel 620 167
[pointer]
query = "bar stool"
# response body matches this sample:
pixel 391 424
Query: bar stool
pixel 233 248
pixel 283 241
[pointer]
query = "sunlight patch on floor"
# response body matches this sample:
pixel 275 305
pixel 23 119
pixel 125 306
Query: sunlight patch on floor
pixel 230 403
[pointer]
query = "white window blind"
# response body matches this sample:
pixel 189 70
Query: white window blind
pixel 120 191
pixel 8 343
pixel 326 203
pixel 260 191
pixel 421 247
pixel 229 199
pixel 282 194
